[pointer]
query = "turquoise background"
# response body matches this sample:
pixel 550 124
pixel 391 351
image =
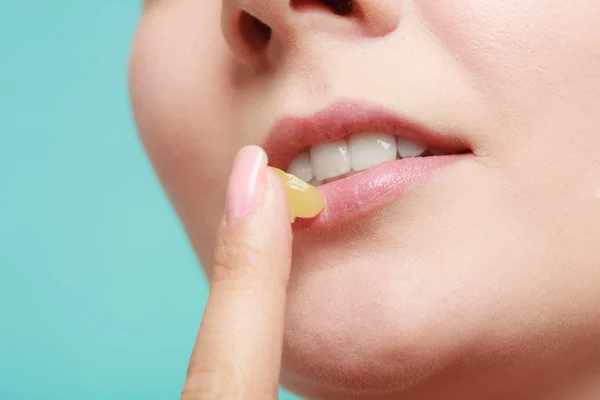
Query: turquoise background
pixel 100 294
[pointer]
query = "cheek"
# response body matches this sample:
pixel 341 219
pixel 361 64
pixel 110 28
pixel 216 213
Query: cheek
pixel 180 96
pixel 516 39
pixel 524 56
pixel 536 64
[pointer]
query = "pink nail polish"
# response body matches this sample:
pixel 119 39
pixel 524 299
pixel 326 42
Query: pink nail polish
pixel 245 181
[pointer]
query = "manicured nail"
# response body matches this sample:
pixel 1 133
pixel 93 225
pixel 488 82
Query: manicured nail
pixel 245 183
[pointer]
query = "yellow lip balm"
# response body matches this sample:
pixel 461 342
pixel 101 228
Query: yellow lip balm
pixel 304 200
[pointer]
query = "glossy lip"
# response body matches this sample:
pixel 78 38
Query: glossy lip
pixel 360 194
pixel 363 192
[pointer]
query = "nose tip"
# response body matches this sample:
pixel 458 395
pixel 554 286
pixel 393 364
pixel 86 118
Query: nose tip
pixel 251 26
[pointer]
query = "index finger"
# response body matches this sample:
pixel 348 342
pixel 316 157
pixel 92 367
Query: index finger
pixel 238 348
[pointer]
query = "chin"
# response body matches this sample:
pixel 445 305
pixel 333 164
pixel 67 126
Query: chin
pixel 374 308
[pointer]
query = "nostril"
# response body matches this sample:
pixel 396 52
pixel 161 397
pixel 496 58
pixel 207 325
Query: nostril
pixel 339 7
pixel 256 33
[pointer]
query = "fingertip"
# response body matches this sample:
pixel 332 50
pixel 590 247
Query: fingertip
pixel 246 183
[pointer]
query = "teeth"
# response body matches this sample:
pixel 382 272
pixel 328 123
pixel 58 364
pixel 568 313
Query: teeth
pixel 330 160
pixel 407 148
pixel 301 167
pixel 327 162
pixel 370 149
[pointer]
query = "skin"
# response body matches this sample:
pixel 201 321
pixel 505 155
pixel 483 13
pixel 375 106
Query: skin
pixel 481 283
pixel 237 354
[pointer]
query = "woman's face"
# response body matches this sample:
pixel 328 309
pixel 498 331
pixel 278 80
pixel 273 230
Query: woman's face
pixel 488 267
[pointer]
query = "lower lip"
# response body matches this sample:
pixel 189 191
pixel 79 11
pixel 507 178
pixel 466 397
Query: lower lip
pixel 359 194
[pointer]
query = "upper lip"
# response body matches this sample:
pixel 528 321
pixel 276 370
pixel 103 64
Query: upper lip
pixel 291 135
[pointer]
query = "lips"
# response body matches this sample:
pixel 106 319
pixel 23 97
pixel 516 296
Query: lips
pixel 362 192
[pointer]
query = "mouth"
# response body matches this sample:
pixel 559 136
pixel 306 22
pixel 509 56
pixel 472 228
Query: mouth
pixel 359 156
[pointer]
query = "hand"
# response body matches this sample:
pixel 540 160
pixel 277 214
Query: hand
pixel 237 354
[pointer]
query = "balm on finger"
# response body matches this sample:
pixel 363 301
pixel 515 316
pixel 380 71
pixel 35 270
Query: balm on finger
pixel 304 200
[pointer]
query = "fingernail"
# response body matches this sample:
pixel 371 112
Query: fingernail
pixel 245 182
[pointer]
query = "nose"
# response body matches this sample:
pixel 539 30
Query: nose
pixel 253 27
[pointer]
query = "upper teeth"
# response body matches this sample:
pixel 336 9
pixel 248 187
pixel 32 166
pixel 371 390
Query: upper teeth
pixel 330 160
pixel 406 148
pixel 360 152
pixel 301 167
pixel 370 149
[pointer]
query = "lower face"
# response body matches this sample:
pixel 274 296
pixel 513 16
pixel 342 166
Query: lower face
pixel 488 268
